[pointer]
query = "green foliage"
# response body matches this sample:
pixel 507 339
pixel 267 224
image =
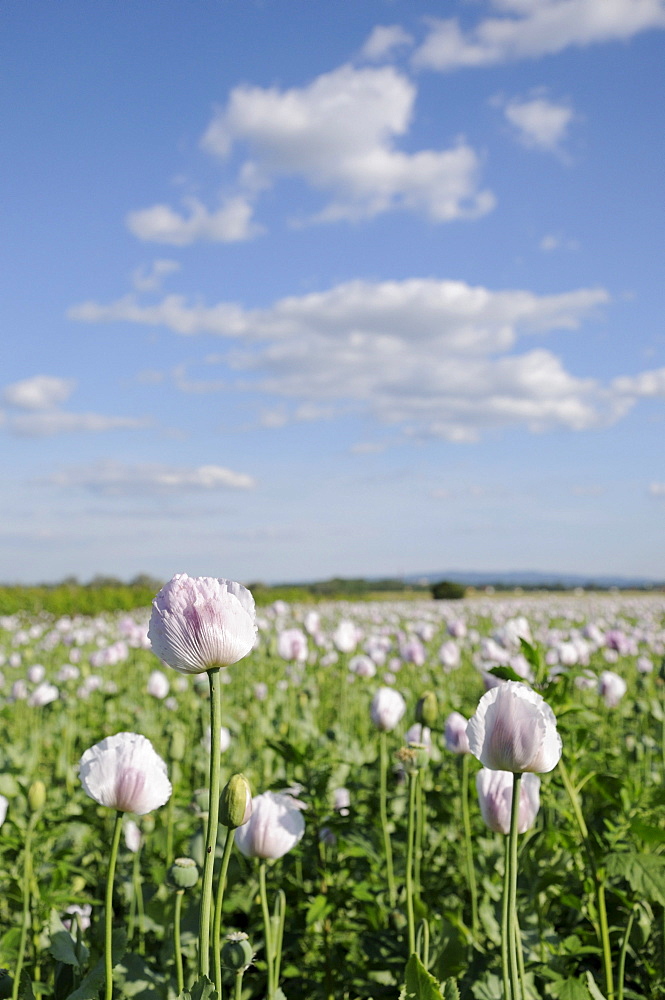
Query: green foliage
pixel 311 727
pixel 448 590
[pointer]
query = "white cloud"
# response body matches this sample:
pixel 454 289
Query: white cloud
pixel 538 122
pixel 40 392
pixel 116 479
pixel 384 39
pixel 231 223
pixel 49 422
pixel 339 134
pixel 430 357
pixel 657 489
pixel 649 383
pixel 527 29
pixel 150 279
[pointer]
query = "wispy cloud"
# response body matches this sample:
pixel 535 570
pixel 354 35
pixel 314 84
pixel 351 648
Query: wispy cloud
pixel 384 40
pixel 117 479
pixel 527 29
pixel 431 357
pixel 37 400
pixel 232 222
pixel 39 392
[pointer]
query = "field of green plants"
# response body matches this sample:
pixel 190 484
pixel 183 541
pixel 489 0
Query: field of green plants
pixel 385 866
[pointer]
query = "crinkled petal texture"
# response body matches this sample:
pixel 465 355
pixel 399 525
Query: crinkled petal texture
pixel 514 729
pixel 124 772
pixel 198 623
pixel 495 796
pixel 274 828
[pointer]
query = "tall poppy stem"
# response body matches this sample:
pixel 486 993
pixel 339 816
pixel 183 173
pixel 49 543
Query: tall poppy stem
pixel 413 791
pixel 383 808
pixel 267 931
pixel 213 820
pixel 217 922
pixel 513 934
pixel 108 916
pixel 468 844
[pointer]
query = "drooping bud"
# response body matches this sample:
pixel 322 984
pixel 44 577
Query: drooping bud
pixel 237 953
pixel 183 873
pixel 235 804
pixel 427 709
pixel 36 796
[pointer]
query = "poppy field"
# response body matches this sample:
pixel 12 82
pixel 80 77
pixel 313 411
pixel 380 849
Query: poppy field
pixel 340 801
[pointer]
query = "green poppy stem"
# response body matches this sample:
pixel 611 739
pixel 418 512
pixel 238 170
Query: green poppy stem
pixel 505 925
pixel 383 808
pixel 213 820
pixel 177 951
pixel 108 915
pixel 26 920
pixel 468 844
pixel 513 943
pixel 217 922
pixel 413 791
pixel 267 930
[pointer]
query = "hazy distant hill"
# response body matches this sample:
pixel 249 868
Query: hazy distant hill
pixel 533 578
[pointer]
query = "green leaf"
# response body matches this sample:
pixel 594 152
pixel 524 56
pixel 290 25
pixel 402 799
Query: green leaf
pixel 319 908
pixel 593 989
pixel 420 984
pixel 450 991
pixel 93 982
pixel 645 873
pixel 506 674
pixel 61 945
pixel 202 989
pixel 570 989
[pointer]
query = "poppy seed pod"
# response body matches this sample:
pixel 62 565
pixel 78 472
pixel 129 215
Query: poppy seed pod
pixel 200 623
pixel 183 873
pixel 237 952
pixel 514 729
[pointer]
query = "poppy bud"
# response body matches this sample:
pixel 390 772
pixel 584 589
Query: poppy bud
pixel 427 709
pixel 36 796
pixel 235 804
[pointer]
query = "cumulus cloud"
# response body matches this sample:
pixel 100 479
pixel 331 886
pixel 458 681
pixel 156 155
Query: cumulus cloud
pixel 527 29
pixel 339 134
pixel 431 357
pixel 231 223
pixel 538 122
pixel 117 479
pixel 39 392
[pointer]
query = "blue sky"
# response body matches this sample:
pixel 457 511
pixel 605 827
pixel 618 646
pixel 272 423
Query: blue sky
pixel 297 288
